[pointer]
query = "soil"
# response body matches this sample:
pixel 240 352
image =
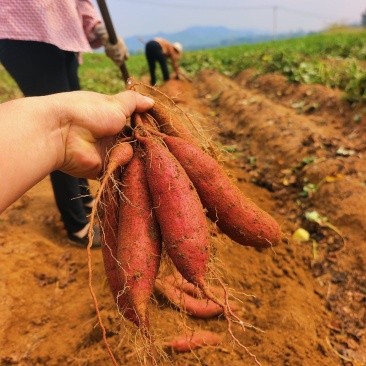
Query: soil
pixel 294 150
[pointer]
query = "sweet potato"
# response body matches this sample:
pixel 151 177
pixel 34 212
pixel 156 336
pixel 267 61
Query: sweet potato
pixel 188 289
pixel 189 342
pixel 236 215
pixel 170 124
pixel 178 210
pixel 108 218
pixel 178 281
pixel 138 244
pixel 120 155
pixel 107 203
pixel 197 307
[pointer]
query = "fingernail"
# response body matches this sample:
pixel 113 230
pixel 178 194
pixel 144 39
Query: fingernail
pixel 149 100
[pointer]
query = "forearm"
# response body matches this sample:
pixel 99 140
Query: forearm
pixel 30 145
pixel 91 19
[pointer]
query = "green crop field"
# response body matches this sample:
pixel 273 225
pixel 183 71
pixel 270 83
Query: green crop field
pixel 337 60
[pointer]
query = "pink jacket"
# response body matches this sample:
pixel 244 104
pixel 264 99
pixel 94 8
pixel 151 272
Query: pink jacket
pixel 67 24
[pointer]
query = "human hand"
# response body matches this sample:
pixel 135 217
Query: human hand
pixel 90 124
pixel 71 132
pixel 118 52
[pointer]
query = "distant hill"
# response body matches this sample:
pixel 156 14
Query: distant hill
pixel 198 38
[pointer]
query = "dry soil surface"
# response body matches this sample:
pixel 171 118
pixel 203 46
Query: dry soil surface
pixel 299 153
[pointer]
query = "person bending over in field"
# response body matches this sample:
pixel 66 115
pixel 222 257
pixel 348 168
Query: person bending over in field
pixel 70 132
pixel 159 50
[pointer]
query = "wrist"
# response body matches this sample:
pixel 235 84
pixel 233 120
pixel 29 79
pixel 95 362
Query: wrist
pixel 100 33
pixel 56 121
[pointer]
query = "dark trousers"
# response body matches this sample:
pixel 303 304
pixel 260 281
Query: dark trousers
pixel 154 53
pixel 41 69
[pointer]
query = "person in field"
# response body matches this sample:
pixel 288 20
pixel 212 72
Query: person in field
pixel 41 43
pixel 159 50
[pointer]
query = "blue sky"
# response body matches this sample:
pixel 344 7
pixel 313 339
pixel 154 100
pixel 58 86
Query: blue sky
pixel 144 17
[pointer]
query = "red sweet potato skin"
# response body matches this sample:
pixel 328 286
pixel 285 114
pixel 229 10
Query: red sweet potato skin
pixel 196 303
pixel 108 218
pixel 233 212
pixel 120 155
pixel 189 342
pixel 108 212
pixel 179 212
pixel 170 124
pixel 139 243
pixel 198 308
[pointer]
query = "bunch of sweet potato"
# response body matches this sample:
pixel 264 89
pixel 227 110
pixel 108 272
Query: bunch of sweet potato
pixel 159 191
